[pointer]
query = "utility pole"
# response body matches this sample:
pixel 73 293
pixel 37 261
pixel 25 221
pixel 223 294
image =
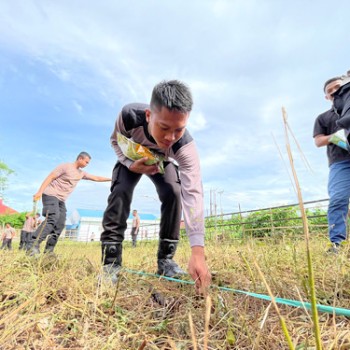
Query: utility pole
pixel 210 202
pixel 213 206
pixel 220 193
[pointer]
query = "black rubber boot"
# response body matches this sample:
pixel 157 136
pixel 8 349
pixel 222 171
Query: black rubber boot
pixel 49 249
pixel 111 260
pixel 166 265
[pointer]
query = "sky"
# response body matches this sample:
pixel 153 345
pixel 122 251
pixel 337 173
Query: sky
pixel 68 67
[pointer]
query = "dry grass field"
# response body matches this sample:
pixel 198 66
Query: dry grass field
pixel 57 303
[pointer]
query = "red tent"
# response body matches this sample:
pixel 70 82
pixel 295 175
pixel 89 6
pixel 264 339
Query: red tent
pixel 5 210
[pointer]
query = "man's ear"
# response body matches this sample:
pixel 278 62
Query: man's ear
pixel 148 115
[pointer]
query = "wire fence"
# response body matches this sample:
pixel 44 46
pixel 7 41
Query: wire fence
pixel 276 222
pixel 268 222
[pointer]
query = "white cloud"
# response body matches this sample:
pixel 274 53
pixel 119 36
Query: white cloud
pixel 273 107
pixel 78 107
pixel 197 122
pixel 243 61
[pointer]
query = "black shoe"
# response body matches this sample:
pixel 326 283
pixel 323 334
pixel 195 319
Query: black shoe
pixel 334 249
pixel 169 268
pixel 33 251
pixel 49 249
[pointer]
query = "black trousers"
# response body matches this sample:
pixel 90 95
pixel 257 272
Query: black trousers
pixel 25 238
pixel 7 243
pixel 124 181
pixel 55 212
pixel 134 232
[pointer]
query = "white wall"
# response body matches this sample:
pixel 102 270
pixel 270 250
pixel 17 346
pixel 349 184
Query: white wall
pixel 87 227
pixel 148 229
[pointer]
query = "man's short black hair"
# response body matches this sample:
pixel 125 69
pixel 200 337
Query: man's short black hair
pixel 83 155
pixel 173 95
pixel 329 81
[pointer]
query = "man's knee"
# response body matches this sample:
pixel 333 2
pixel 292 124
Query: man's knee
pixel 171 194
pixel 339 200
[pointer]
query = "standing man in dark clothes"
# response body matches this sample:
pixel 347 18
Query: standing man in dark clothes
pixel 27 230
pixel 135 227
pixel 339 169
pixel 8 235
pixel 160 126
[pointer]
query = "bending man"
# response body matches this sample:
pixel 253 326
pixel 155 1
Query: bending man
pixel 160 126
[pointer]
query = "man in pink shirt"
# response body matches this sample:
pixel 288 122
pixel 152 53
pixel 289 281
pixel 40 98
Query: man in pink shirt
pixel 26 232
pixel 7 236
pixel 54 191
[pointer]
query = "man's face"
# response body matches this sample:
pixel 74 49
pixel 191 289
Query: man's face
pixel 331 88
pixel 165 126
pixel 83 162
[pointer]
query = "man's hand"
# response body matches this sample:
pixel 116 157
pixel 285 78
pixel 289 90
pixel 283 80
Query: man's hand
pixel 37 196
pixel 140 167
pixel 322 140
pixel 198 269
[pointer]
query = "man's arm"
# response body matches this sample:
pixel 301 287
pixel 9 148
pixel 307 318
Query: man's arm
pixel 322 140
pixel 52 176
pixel 33 223
pixel 97 178
pixel 119 127
pixel 193 210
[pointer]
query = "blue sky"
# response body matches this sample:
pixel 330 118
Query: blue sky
pixel 68 67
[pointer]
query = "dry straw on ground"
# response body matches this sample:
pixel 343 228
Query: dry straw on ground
pixel 58 304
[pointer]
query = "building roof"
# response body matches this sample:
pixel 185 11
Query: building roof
pixel 90 213
pixel 72 227
pixel 5 210
pixel 99 214
pixel 144 216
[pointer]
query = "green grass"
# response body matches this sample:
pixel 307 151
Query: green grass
pixel 58 304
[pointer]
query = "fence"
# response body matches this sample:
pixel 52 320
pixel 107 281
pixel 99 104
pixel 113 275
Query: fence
pixel 267 222
pixel 147 232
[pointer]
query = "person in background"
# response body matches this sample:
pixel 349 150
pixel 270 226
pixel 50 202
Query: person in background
pixel 160 126
pixel 27 230
pixel 37 220
pixel 135 227
pixel 7 236
pixel 339 170
pixel 54 191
